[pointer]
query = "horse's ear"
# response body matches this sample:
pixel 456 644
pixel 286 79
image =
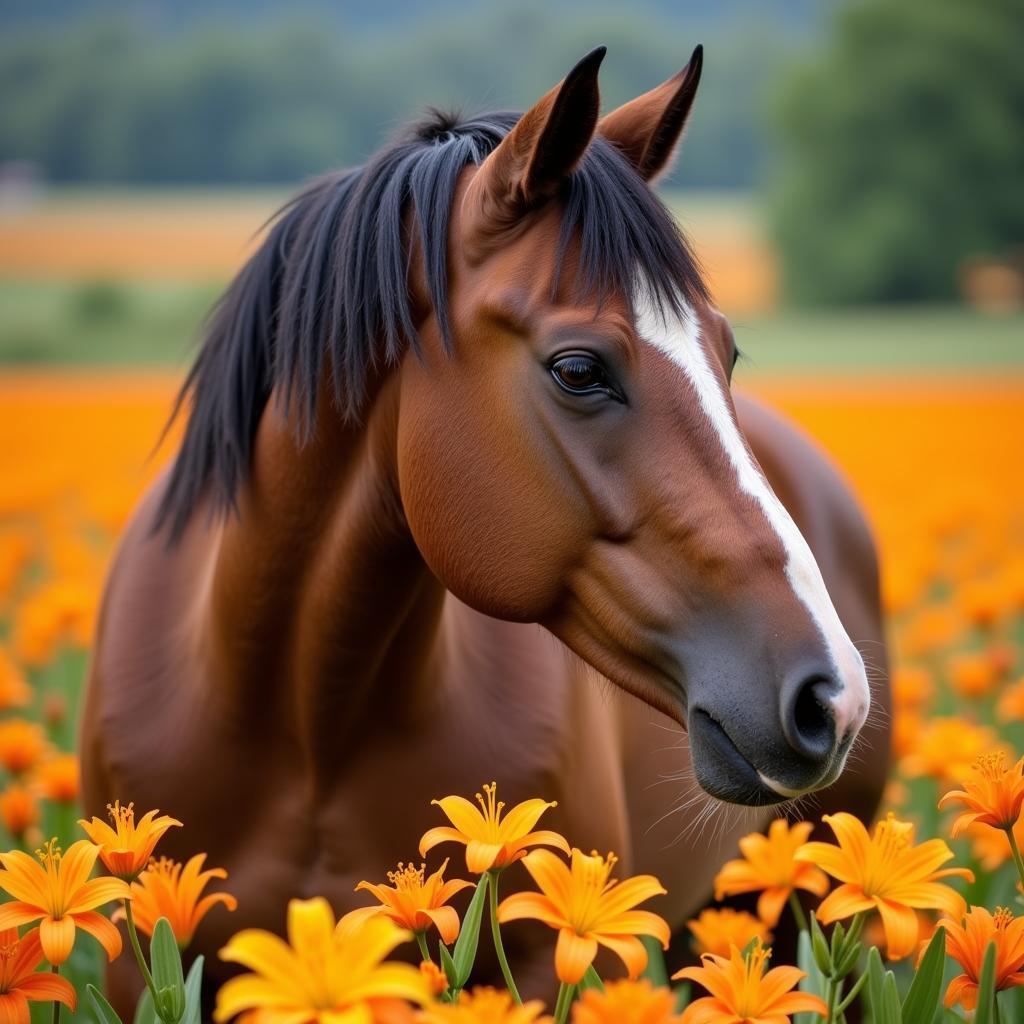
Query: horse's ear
pixel 540 152
pixel 647 130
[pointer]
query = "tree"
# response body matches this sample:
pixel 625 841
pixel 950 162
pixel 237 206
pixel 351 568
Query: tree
pixel 902 151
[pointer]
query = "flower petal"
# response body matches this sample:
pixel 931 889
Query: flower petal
pixel 100 928
pixel 57 937
pixel 573 955
pixel 441 834
pixel 900 924
pixel 629 949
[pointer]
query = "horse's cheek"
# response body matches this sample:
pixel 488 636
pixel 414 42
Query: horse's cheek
pixel 483 510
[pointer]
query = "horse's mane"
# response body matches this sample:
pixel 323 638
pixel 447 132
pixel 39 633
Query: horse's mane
pixel 327 289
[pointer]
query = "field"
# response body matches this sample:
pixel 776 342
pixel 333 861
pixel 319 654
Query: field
pixel 922 409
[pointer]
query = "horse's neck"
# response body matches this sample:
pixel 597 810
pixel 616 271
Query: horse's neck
pixel 323 612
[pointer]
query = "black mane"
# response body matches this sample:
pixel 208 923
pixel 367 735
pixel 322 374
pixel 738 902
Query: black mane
pixel 327 289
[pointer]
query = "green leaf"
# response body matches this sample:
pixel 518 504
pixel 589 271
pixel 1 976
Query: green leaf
pixel 104 1011
pixel 194 992
pixel 814 982
pixel 145 1011
pixel 985 1013
pixel 876 977
pixel 591 980
pixel 891 1011
pixel 168 978
pixel 926 989
pixel 819 947
pixel 656 972
pixel 464 954
pixel 448 966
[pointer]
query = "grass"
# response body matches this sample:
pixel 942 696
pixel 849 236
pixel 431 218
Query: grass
pixel 151 324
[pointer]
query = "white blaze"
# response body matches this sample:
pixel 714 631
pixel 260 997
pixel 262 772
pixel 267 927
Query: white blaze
pixel 679 339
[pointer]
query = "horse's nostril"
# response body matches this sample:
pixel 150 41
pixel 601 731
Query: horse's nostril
pixel 807 718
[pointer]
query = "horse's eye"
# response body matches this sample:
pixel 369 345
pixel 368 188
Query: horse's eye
pixel 581 374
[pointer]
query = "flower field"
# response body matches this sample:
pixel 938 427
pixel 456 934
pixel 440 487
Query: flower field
pixel 937 463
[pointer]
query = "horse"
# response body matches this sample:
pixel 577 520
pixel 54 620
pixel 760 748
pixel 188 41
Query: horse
pixel 464 495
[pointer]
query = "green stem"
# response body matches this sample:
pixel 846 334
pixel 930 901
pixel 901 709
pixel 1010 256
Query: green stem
pixel 851 995
pixel 133 936
pixel 1015 850
pixel 421 938
pixel 565 994
pixel 830 992
pixel 56 1003
pixel 798 911
pixel 498 947
pixel 995 1004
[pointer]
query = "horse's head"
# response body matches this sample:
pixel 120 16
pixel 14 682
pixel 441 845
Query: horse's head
pixel 573 456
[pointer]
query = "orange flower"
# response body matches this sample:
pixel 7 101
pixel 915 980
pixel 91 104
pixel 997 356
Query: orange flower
pixel 20 983
pixel 57 892
pixel 1010 707
pixel 626 1002
pixel 972 675
pixel 912 686
pixel 967 942
pixel 887 873
pixel 165 889
pixel 991 846
pixel 58 778
pixel 63 612
pixel 768 866
pixel 436 979
pixel 717 930
pixel 415 902
pixel 126 848
pixel 491 842
pixel 19 810
pixel 994 794
pixel 742 993
pixel 14 690
pixel 22 745
pixel 946 748
pixel 588 910
pixel 484 1006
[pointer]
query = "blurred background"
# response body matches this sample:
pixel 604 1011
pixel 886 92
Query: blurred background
pixel 853 180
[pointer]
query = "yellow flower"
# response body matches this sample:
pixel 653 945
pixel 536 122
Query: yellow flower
pixel 768 866
pixel 57 892
pixel 887 873
pixel 994 794
pixel 588 910
pixel 626 1002
pixel 967 940
pixel 415 902
pixel 484 1006
pixel 717 930
pixel 166 889
pixel 126 848
pixel 21 983
pixel 742 993
pixel 325 974
pixel 490 841
pixel 945 748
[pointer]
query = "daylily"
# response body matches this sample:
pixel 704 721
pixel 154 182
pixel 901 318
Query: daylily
pixel 626 1002
pixel 742 993
pixel 967 940
pixel 326 973
pixel 588 910
pixel 415 902
pixel 885 872
pixel 993 794
pixel 769 866
pixel 718 929
pixel 126 848
pixel 56 891
pixel 166 889
pixel 484 1006
pixel 491 842
pixel 21 983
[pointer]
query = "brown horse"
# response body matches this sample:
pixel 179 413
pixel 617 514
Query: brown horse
pixel 468 410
